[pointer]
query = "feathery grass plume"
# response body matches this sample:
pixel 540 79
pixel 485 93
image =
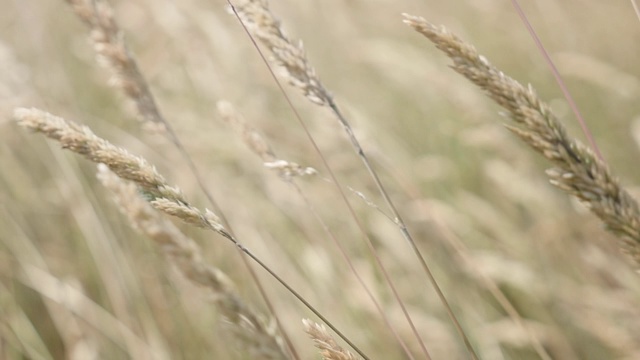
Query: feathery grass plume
pixel 158 193
pixel 257 17
pixel 577 171
pixel 289 169
pixel 80 139
pixel 154 187
pixel 254 140
pixel 329 348
pixel 108 42
pixel 253 333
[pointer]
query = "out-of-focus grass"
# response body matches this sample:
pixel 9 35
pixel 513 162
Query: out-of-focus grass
pixel 450 167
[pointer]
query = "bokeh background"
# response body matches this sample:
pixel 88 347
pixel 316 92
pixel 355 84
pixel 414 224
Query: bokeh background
pixel 77 282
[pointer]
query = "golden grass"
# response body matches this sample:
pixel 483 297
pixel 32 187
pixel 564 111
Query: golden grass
pixel 258 338
pixel 579 172
pixel 526 272
pixel 329 349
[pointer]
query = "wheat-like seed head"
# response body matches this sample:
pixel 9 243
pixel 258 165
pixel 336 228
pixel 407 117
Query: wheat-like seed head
pixel 329 348
pixel 254 334
pixel 254 140
pixel 578 171
pixel 258 18
pixel 168 199
pixel 112 53
pixel 80 139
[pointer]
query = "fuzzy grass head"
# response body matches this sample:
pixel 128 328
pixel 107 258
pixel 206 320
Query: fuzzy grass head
pixel 399 218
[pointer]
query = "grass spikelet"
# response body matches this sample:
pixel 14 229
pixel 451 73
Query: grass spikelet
pixel 577 170
pixel 154 187
pixel 161 196
pixel 254 334
pixel 329 348
pixel 108 42
pixel 256 15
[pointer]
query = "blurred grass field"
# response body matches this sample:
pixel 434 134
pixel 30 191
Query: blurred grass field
pixel 77 282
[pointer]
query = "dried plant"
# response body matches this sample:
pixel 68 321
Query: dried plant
pixel 154 188
pixel 108 42
pixel 256 15
pixel 258 18
pixel 329 349
pixel 287 171
pixel 255 336
pixel 577 170
pixel 165 198
pixel 112 53
pixel 67 272
pixel 81 140
pixel 250 136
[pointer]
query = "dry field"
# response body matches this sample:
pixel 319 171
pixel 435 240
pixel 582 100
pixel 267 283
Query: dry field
pixel 240 197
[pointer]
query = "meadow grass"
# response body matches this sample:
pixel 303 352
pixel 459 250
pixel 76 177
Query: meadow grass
pixel 364 199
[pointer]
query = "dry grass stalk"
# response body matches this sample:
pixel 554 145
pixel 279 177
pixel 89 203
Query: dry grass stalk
pixel 80 139
pixel 258 18
pixel 577 171
pixel 112 52
pixel 254 334
pixel 254 140
pixel 154 187
pixel 250 136
pixel 287 170
pixel 163 197
pixel 108 42
pixel 329 348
